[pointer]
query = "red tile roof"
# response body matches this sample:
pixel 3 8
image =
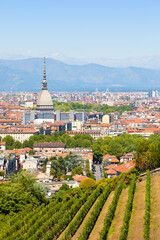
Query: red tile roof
pixel 111 172
pixel 125 167
pixel 49 145
pixel 79 178
pixel 111 166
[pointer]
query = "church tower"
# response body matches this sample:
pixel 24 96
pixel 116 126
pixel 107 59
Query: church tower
pixel 44 103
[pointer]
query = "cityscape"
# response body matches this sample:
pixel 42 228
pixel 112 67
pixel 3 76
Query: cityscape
pixel 79 130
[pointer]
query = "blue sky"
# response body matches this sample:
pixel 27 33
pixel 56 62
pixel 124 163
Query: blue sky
pixel 82 29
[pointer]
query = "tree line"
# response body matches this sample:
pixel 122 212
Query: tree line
pixel 147 151
pixel 66 107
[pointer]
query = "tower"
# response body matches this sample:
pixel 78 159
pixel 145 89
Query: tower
pixel 44 103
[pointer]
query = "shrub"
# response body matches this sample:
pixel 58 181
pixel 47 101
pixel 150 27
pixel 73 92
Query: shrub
pixel 88 182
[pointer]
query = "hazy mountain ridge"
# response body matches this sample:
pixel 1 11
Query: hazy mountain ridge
pixel 27 75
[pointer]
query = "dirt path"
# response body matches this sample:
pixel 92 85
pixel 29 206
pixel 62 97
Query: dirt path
pixel 155 208
pixel 115 229
pixel 79 231
pixel 137 216
pixel 99 224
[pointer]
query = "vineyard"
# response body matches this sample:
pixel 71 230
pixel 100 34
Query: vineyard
pixel 107 212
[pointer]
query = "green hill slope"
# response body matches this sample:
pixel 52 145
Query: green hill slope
pixel 84 215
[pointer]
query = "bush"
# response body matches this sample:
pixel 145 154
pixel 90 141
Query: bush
pixel 88 182
pixel 64 187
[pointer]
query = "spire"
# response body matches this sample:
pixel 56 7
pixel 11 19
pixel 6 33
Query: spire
pixel 44 82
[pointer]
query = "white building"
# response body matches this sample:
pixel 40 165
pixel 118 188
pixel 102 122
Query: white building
pixel 19 134
pixel 30 163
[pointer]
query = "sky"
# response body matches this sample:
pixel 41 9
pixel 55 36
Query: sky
pixel 84 29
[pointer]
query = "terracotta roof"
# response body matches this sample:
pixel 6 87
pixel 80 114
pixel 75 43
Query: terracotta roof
pixel 19 151
pixel 111 166
pixel 15 131
pixel 111 172
pixel 27 149
pixel 79 178
pixel 49 145
pixel 9 120
pixel 114 160
pixel 125 167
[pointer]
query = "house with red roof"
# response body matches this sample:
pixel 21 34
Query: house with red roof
pixel 125 167
pixel 109 159
pixel 79 178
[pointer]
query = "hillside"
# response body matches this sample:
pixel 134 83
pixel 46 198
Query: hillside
pixel 96 215
pixel 27 74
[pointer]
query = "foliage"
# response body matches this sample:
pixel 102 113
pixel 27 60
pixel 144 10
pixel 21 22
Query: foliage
pixel 88 183
pixel 89 174
pixel 1 173
pixel 74 225
pixel 65 219
pixel 58 167
pixel 73 161
pixel 94 214
pixel 64 187
pixel 148 153
pixel 21 192
pixel 128 211
pixel 17 144
pixel 111 211
pixel 118 146
pixel 9 142
pixel 31 152
pixel 147 208
pixel 126 178
pixel 77 170
pixel 32 225
pixel 65 107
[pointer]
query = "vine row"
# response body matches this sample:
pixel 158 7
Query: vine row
pixel 147 208
pixel 128 211
pixel 94 214
pixel 111 211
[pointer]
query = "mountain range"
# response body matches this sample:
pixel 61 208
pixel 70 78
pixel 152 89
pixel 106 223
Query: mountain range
pixel 27 75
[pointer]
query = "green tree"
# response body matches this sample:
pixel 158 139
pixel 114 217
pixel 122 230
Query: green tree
pixel 104 149
pixel 77 170
pixel 73 161
pixel 116 149
pixel 21 192
pixel 9 142
pixel 88 183
pixel 97 153
pixel 17 145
